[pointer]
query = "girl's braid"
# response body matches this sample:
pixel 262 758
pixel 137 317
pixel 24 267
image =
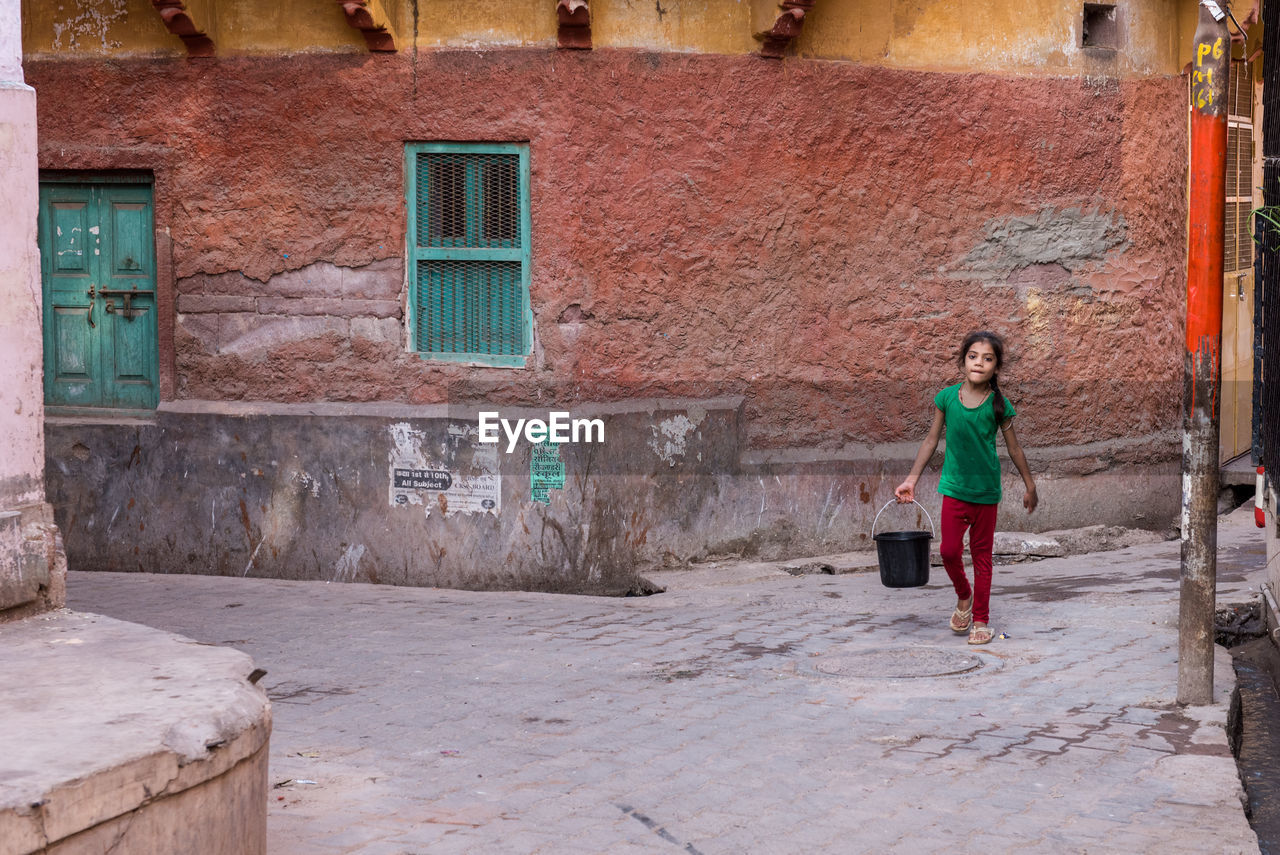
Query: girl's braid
pixel 997 400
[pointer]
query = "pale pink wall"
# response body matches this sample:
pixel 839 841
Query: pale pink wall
pixel 21 393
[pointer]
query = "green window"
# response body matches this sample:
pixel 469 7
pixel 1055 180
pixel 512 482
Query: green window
pixel 469 252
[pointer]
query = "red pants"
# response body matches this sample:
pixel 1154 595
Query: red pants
pixel 980 520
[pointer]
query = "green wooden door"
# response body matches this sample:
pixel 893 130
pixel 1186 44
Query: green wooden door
pixel 97 262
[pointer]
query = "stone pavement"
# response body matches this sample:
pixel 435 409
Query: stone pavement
pixel 744 711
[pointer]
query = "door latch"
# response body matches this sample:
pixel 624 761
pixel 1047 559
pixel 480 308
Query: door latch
pixel 126 311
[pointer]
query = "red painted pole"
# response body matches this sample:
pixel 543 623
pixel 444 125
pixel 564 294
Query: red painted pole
pixel 1202 367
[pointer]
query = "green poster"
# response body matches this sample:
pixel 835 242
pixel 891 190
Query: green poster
pixel 546 471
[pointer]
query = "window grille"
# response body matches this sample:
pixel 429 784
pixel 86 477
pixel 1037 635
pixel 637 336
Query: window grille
pixel 1238 249
pixel 469 238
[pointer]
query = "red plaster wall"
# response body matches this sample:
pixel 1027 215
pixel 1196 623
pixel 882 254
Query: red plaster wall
pixel 816 236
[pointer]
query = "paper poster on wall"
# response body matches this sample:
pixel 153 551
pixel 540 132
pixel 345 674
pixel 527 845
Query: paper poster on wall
pixel 456 475
pixel 546 471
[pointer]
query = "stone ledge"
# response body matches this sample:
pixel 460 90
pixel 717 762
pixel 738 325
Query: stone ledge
pixel 198 304
pixel 112 728
pixel 379 280
pixel 338 307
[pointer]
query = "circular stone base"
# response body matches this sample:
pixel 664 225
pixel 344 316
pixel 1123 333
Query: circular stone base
pixel 891 662
pixel 128 739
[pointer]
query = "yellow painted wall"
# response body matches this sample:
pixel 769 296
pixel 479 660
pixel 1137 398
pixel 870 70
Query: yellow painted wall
pixel 1026 36
pixel 705 26
pixel 134 28
pixel 1010 36
pixel 477 23
pixel 94 27
pixel 281 26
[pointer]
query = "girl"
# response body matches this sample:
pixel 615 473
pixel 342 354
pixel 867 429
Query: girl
pixel 970 482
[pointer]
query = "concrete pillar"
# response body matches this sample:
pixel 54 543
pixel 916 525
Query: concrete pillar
pixel 32 564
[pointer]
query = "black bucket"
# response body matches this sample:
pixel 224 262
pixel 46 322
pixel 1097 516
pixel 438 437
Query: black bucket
pixel 904 558
pixel 903 555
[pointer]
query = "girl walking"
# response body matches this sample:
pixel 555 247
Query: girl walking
pixel 971 412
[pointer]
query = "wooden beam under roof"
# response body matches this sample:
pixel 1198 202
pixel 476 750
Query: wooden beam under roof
pixel 371 20
pixel 574 31
pixel 786 28
pixel 178 20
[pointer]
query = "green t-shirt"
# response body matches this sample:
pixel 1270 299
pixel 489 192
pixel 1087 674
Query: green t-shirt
pixel 971 467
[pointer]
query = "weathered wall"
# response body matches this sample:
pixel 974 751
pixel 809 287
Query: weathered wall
pixel 278 492
pixel 813 238
pixel 1008 36
pixel 306 492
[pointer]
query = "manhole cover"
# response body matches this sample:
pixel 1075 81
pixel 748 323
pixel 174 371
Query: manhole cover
pixel 899 662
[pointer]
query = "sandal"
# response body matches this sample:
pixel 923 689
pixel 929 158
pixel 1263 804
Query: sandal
pixel 980 634
pixel 961 618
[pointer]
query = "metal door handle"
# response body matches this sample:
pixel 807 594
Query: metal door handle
pixel 127 294
pixel 89 317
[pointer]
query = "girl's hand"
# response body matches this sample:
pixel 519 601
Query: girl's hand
pixel 1030 500
pixel 906 492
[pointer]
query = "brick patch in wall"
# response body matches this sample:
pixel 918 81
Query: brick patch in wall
pixel 381 280
pixel 314 280
pixel 196 304
pixel 203 328
pixel 377 330
pixel 229 332
pixel 230 284
pixel 247 333
pixel 328 306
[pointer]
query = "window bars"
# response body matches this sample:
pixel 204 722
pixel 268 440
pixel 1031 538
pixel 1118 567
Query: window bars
pixel 469 222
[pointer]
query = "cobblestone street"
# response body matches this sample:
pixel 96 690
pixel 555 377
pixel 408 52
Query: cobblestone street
pixel 766 713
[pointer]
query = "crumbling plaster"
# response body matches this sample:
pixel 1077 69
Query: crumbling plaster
pixel 803 236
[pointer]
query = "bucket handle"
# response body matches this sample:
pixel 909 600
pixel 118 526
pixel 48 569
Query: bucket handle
pixel 896 502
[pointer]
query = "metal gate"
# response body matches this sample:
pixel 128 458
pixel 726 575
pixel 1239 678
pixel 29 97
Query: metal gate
pixel 1266 375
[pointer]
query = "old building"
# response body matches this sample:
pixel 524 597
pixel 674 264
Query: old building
pixel 95 760
pixel 292 251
